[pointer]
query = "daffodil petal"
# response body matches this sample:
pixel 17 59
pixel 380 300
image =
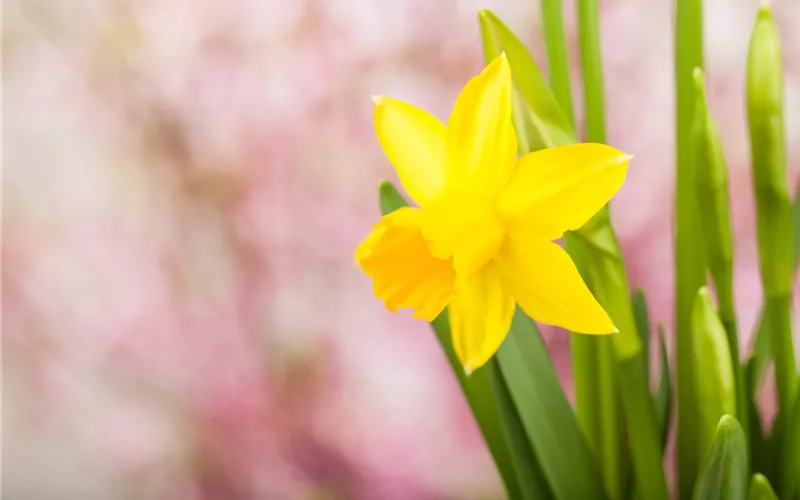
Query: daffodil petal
pixel 404 272
pixel 560 189
pixel 465 228
pixel 481 143
pixel 545 283
pixel 480 316
pixel 415 143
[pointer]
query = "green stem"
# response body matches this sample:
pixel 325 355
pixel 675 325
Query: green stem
pixel 557 57
pixel 779 316
pixel 690 268
pixel 727 314
pixel 596 399
pixel 592 70
pixel 597 405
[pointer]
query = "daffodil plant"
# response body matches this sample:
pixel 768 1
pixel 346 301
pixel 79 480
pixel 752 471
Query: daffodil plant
pixel 505 179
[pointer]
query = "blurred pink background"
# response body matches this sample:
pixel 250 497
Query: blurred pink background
pixel 186 183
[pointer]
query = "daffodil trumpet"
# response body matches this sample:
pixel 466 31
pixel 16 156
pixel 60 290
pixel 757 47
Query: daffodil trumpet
pixel 483 236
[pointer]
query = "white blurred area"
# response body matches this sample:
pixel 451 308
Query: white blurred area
pixel 184 184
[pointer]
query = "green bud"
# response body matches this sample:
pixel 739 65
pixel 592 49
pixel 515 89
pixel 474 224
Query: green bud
pixel 768 152
pixel 714 382
pixel 760 489
pixel 712 192
pixel 724 472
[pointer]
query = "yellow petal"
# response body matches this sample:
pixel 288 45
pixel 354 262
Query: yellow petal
pixel 465 228
pixel 404 273
pixel 545 283
pixel 560 189
pixel 414 141
pixel 481 143
pixel 480 316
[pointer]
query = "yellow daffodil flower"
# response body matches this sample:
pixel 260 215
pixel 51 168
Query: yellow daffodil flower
pixel 482 237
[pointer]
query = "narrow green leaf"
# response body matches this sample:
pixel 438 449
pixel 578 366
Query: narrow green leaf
pixel 644 436
pixel 689 265
pixel 724 472
pixel 761 456
pixel 773 206
pixel 557 57
pixel 663 396
pixel 538 120
pixel 552 429
pixel 490 401
pixel 712 363
pixel 642 326
pixel 760 489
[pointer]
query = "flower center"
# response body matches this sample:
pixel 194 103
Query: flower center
pixel 466 228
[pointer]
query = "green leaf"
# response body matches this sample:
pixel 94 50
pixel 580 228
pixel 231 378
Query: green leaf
pixel 546 415
pixel 642 326
pixel 689 266
pixel 490 402
pixel 537 117
pixel 724 472
pixel 644 439
pixel 760 489
pixel 760 447
pixel 663 397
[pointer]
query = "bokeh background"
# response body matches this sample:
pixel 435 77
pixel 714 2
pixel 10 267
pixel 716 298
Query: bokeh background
pixel 186 181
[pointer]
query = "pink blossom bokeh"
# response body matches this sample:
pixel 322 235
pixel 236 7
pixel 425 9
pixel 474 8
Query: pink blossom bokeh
pixel 186 183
